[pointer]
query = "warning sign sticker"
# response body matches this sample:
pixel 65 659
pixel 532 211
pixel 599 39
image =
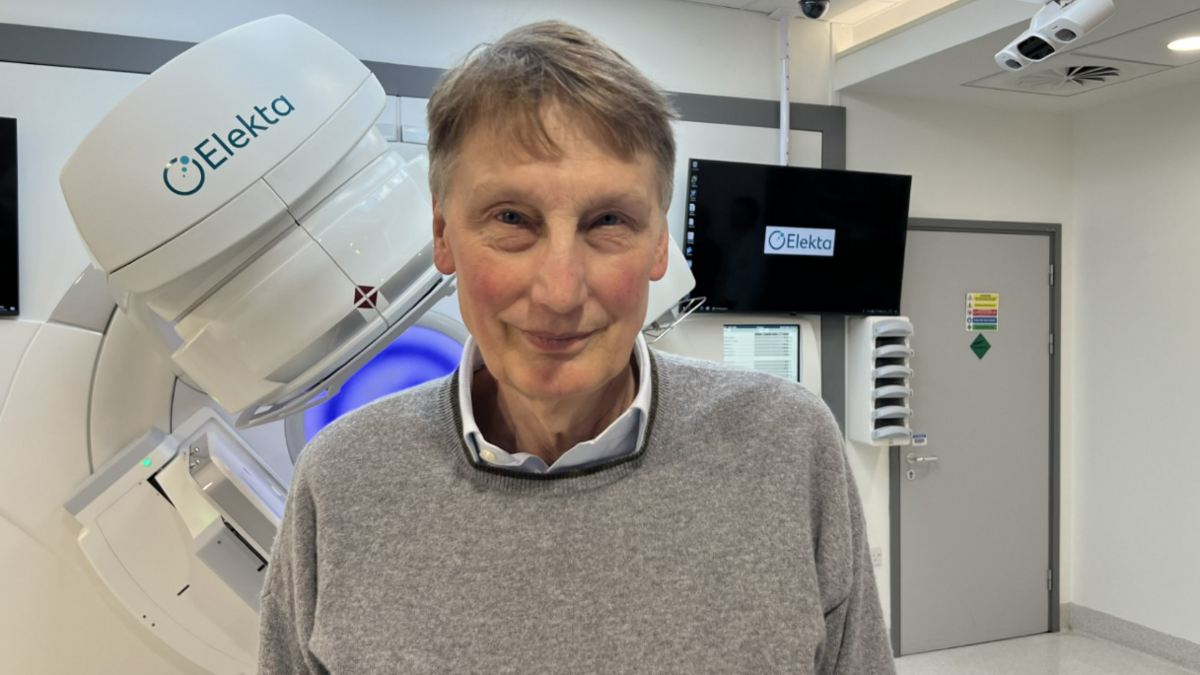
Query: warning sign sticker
pixel 983 312
pixel 981 346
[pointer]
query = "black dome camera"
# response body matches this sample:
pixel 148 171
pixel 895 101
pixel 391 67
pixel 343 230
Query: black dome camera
pixel 814 9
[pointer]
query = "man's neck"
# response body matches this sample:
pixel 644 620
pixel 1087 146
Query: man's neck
pixel 547 428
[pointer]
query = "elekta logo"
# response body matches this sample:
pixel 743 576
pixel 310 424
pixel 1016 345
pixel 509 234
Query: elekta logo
pixel 799 241
pixel 184 175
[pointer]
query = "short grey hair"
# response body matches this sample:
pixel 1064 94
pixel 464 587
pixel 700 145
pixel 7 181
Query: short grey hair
pixel 510 82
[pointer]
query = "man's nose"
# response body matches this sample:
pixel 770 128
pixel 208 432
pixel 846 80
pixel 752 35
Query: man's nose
pixel 560 281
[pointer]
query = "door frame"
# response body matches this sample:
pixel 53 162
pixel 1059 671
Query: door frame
pixel 1054 232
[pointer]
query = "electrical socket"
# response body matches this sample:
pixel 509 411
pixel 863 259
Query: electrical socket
pixel 877 557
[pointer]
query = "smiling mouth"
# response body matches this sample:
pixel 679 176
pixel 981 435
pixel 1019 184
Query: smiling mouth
pixel 555 342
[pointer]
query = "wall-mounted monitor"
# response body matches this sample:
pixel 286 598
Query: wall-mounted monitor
pixel 9 269
pixel 779 239
pixel 766 349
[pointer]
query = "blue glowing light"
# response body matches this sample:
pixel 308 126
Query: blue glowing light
pixel 417 356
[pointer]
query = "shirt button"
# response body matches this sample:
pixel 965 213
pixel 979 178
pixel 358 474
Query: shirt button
pixel 487 455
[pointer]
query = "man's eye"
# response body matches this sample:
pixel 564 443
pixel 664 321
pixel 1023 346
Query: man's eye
pixel 509 217
pixel 609 219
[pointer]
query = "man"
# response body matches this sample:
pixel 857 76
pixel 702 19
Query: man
pixel 569 501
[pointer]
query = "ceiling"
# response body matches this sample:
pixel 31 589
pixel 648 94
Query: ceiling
pixel 1125 57
pixel 840 11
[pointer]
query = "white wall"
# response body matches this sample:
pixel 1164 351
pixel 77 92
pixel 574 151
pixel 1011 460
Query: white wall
pixel 1136 534
pixel 683 46
pixel 974 164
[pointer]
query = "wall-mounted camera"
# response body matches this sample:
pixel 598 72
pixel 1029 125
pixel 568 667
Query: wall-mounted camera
pixel 813 9
pixel 1059 24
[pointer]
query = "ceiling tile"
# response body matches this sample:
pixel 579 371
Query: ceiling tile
pixel 860 11
pixel 1048 78
pixel 840 11
pixel 768 6
pixel 1149 44
pixel 735 4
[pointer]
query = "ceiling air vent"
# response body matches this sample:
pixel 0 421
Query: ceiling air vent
pixel 1068 75
pixel 1070 78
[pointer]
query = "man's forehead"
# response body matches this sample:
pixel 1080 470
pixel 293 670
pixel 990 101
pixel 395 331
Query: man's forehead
pixel 518 139
pixel 490 157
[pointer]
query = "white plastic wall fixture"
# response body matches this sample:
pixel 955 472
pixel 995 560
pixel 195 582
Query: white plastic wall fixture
pixel 878 373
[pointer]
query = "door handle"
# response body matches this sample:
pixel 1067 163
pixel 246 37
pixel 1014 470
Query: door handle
pixel 913 459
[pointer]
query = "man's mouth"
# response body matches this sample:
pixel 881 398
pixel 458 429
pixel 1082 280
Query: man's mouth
pixel 556 341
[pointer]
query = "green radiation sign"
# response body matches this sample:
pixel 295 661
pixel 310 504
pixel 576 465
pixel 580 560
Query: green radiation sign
pixel 981 347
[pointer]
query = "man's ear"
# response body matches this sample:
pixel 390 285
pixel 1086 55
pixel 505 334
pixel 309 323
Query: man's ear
pixel 443 257
pixel 661 253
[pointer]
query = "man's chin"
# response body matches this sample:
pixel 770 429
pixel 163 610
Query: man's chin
pixel 562 380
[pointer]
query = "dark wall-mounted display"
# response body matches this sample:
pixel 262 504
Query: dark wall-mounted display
pixel 9 268
pixel 777 239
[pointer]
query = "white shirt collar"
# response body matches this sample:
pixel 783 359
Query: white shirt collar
pixel 623 436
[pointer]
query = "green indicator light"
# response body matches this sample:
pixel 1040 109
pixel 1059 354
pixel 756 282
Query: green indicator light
pixel 146 462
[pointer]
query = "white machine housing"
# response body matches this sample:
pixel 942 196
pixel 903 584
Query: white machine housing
pixel 253 217
pixel 1055 27
pixel 202 486
pixel 878 391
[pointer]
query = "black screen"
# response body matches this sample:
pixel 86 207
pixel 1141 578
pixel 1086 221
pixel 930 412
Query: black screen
pixel 9 278
pixel 763 238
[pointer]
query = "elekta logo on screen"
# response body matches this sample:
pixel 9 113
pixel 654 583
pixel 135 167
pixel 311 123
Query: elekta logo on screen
pixel 799 241
pixel 184 175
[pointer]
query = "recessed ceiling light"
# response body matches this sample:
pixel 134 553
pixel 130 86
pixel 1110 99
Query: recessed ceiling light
pixel 1188 44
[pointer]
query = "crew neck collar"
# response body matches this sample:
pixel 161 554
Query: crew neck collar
pixel 486 476
pixel 622 436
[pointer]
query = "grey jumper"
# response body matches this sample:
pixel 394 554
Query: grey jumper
pixel 732 541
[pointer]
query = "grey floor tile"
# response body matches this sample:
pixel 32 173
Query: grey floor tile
pixel 1050 654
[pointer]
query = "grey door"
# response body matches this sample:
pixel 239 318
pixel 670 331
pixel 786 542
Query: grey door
pixel 974 525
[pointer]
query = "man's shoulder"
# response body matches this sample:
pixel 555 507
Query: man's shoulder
pixel 724 404
pixel 410 418
pixel 706 382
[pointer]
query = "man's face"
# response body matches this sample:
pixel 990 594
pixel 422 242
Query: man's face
pixel 554 256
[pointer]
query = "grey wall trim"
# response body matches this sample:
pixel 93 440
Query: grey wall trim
pixel 81 49
pixel 402 80
pixel 833 328
pixel 754 112
pixel 1056 431
pixel 833 366
pixel 831 122
pixel 749 112
pixel 1055 232
pixel 990 226
pixel 1135 636
pixel 894 471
